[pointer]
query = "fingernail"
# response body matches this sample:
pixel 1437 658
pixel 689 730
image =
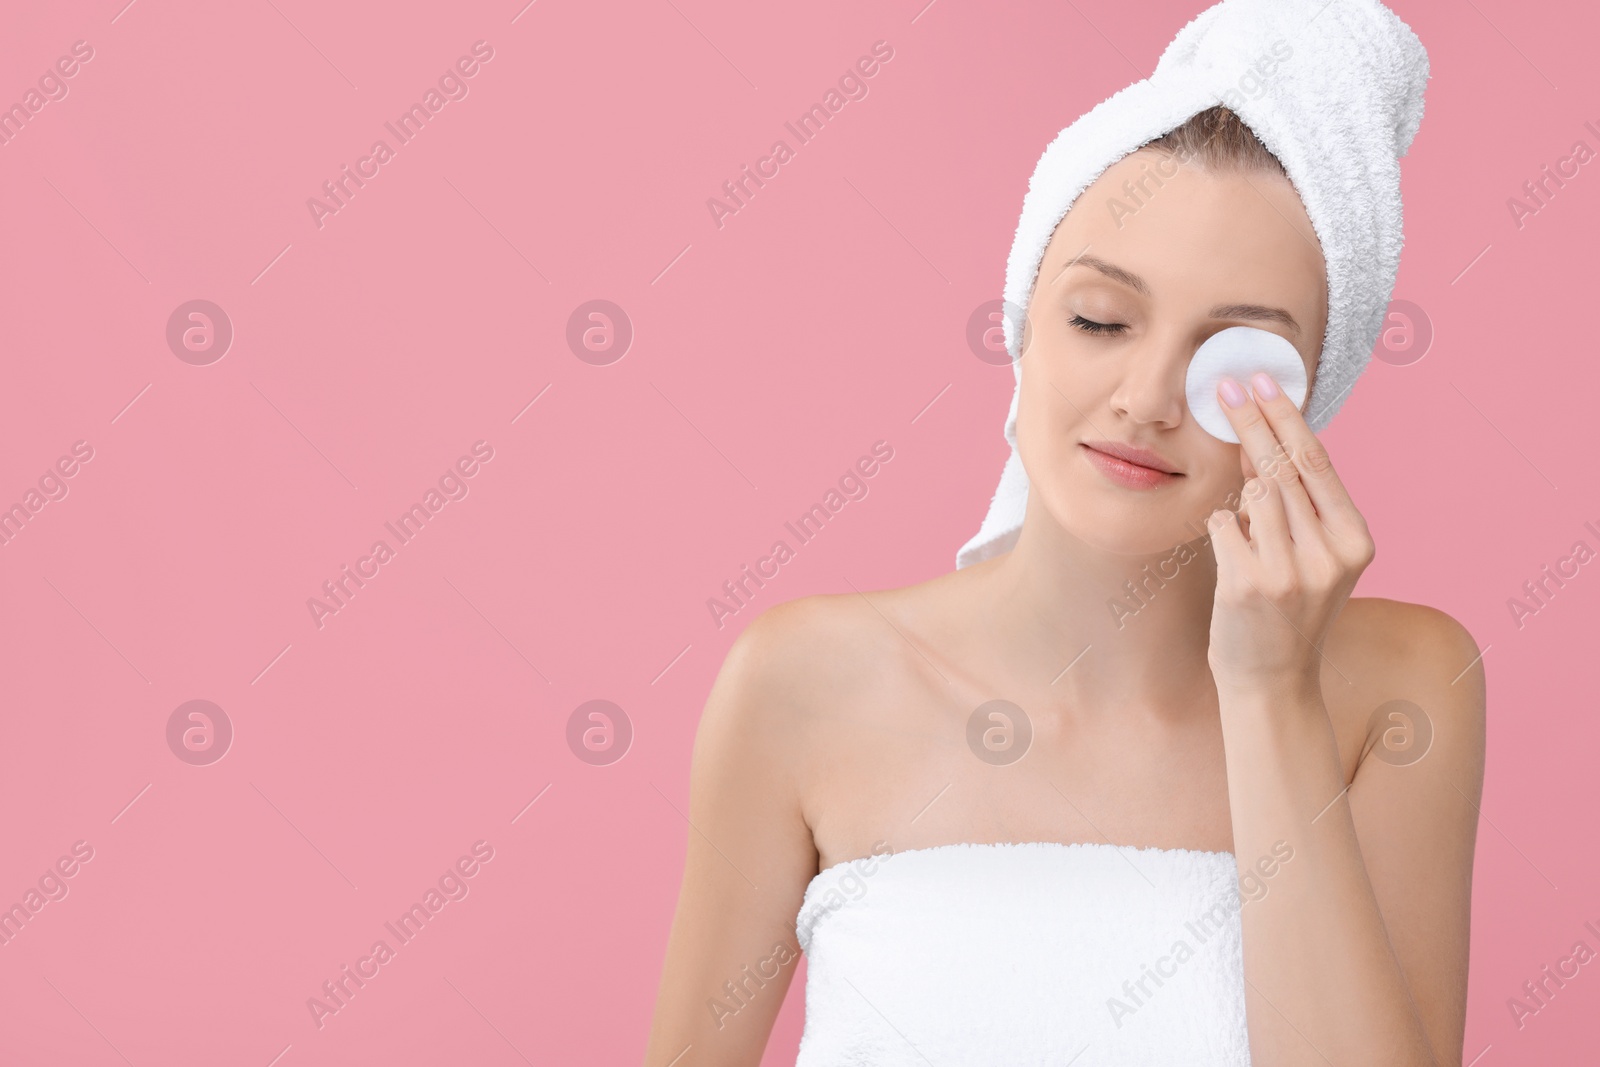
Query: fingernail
pixel 1265 387
pixel 1232 395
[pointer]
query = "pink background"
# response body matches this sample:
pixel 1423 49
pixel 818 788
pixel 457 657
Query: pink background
pixel 768 354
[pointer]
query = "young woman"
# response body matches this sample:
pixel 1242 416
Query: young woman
pixel 1016 815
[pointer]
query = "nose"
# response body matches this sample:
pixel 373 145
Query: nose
pixel 1151 388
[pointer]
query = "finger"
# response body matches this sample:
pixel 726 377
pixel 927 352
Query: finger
pixel 1269 525
pixel 1228 543
pixel 1262 454
pixel 1323 486
pixel 1257 441
pixel 1305 525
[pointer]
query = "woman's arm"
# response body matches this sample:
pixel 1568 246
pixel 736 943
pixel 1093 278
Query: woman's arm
pixel 1357 952
pixel 732 950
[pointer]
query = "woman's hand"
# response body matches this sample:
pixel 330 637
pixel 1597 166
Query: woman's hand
pixel 1282 581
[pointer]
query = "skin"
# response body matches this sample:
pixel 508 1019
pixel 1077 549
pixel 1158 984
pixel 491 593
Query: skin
pixel 1233 712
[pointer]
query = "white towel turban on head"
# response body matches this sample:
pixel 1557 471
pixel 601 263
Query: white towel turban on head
pixel 1338 113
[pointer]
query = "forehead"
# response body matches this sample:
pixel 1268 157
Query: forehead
pixel 1197 232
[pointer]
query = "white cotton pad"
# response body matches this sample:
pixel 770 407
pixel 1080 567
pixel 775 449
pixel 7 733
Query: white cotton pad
pixel 1239 352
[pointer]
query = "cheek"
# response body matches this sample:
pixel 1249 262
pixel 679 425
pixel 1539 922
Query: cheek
pixel 1065 385
pixel 1216 478
pixel 1042 413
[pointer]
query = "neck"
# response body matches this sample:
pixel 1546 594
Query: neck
pixel 1109 629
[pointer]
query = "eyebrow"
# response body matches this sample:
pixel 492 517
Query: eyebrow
pixel 1126 277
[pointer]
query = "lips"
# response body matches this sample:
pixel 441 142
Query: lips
pixel 1139 457
pixel 1125 472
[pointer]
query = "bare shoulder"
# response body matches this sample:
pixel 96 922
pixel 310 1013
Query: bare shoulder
pixel 798 649
pixel 1382 651
pixel 826 626
pixel 1399 634
pixel 807 661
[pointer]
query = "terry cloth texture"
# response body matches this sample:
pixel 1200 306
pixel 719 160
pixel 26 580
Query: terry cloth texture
pixel 1035 954
pixel 1338 113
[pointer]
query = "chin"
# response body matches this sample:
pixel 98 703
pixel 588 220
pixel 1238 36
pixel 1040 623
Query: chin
pixel 1123 522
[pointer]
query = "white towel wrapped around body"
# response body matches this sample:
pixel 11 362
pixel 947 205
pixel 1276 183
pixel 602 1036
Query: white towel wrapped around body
pixel 1025 955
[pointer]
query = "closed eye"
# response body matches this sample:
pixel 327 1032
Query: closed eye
pixel 1100 328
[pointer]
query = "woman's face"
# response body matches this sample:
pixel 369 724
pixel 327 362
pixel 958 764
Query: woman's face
pixel 1135 278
